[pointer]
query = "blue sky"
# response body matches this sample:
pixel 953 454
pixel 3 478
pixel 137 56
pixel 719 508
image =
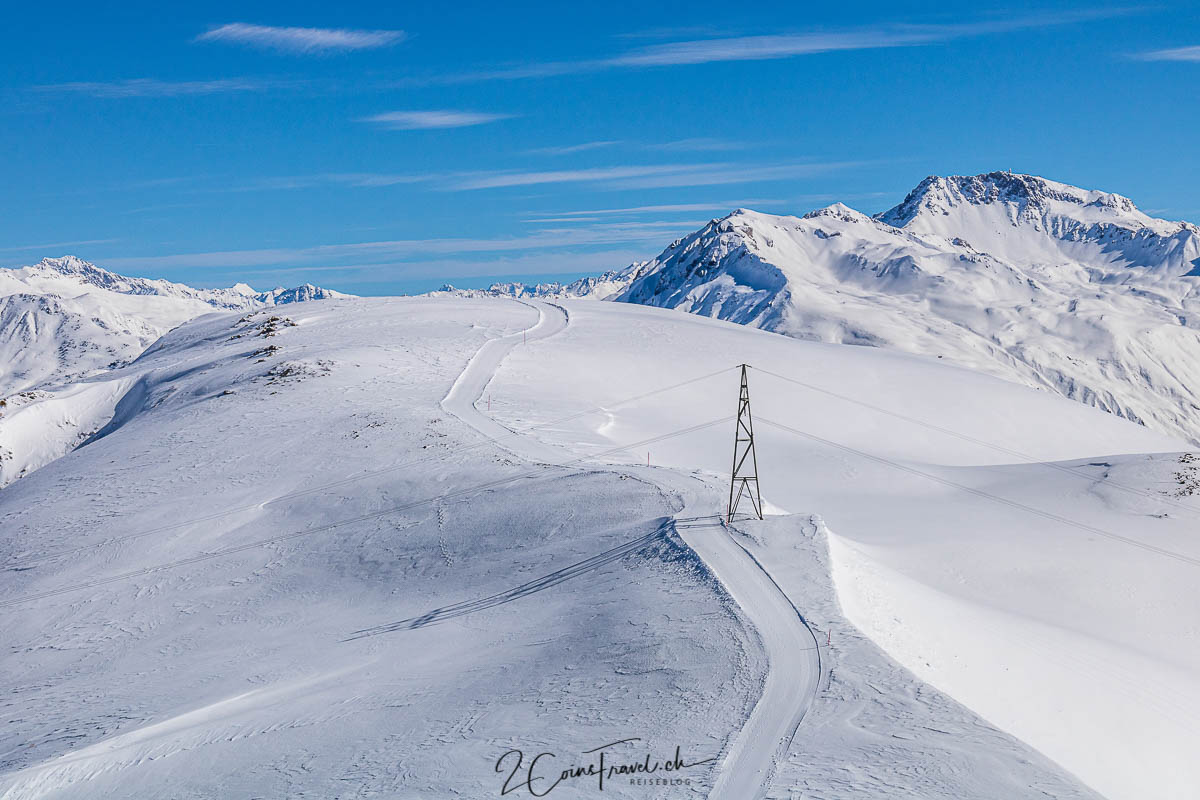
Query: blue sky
pixel 390 147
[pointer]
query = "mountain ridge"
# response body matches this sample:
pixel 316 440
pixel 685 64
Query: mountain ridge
pixel 232 298
pixel 1071 290
pixel 65 318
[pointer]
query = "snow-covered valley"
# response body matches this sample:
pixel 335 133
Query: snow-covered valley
pixel 369 547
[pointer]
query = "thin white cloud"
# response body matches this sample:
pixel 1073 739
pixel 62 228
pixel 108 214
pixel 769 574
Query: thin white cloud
pixel 757 48
pixel 151 87
pixel 573 220
pixel 674 32
pixel 776 46
pixel 760 48
pixel 698 144
pixel 495 180
pixel 56 245
pixel 372 180
pixel 1174 54
pixel 425 120
pixel 733 174
pixel 301 40
pixel 153 208
pixel 571 149
pixel 602 222
pixel 650 233
pixel 620 177
pixel 351 179
pixel 598 213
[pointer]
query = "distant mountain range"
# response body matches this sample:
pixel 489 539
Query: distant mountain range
pixel 1049 285
pixel 64 318
pixel 1053 286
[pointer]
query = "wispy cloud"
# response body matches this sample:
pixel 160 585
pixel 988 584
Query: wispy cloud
pixel 675 32
pixel 151 87
pixel 495 180
pixel 760 48
pixel 756 48
pixel 651 233
pixel 696 145
pixel 350 179
pixel 725 174
pixel 571 149
pixel 56 245
pixel 647 176
pixel 491 179
pixel 424 120
pixel 672 208
pixel 777 46
pixel 654 176
pixel 1174 54
pixel 301 40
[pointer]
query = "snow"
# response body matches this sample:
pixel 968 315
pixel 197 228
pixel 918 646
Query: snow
pixel 791 647
pixel 238 675
pixel 1079 644
pixel 1070 290
pixel 369 546
pixel 37 427
pixel 65 319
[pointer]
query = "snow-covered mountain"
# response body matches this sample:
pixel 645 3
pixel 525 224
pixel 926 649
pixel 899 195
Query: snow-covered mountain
pixel 374 544
pixel 1031 280
pixel 64 318
pixel 599 287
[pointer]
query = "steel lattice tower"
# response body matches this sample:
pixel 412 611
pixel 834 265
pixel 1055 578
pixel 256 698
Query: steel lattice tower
pixel 744 481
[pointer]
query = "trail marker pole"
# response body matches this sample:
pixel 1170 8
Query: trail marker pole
pixel 744 478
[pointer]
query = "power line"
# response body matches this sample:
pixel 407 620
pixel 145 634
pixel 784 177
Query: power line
pixel 1076 471
pixel 29 562
pixel 987 495
pixel 361 518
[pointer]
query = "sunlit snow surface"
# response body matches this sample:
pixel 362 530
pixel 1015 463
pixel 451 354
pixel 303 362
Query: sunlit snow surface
pixel 282 629
pixel 1069 290
pixel 1083 646
pixel 64 319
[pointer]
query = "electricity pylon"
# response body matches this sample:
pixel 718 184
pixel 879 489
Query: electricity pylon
pixel 744 480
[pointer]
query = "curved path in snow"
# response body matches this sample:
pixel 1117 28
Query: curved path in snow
pixel 793 655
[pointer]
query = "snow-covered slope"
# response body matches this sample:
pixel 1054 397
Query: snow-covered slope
pixel 1034 281
pixel 1034 558
pixel 64 318
pixel 370 548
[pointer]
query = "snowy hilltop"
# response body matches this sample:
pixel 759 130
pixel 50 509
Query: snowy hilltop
pixel 373 545
pixel 1034 281
pixel 64 318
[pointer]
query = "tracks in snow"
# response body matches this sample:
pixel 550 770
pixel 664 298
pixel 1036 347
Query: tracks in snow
pixel 793 655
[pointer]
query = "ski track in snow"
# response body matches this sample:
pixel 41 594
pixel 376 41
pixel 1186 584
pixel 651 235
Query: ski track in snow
pixel 269 709
pixel 136 692
pixel 793 653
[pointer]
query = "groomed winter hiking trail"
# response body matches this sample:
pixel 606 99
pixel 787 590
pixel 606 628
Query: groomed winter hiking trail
pixel 793 654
